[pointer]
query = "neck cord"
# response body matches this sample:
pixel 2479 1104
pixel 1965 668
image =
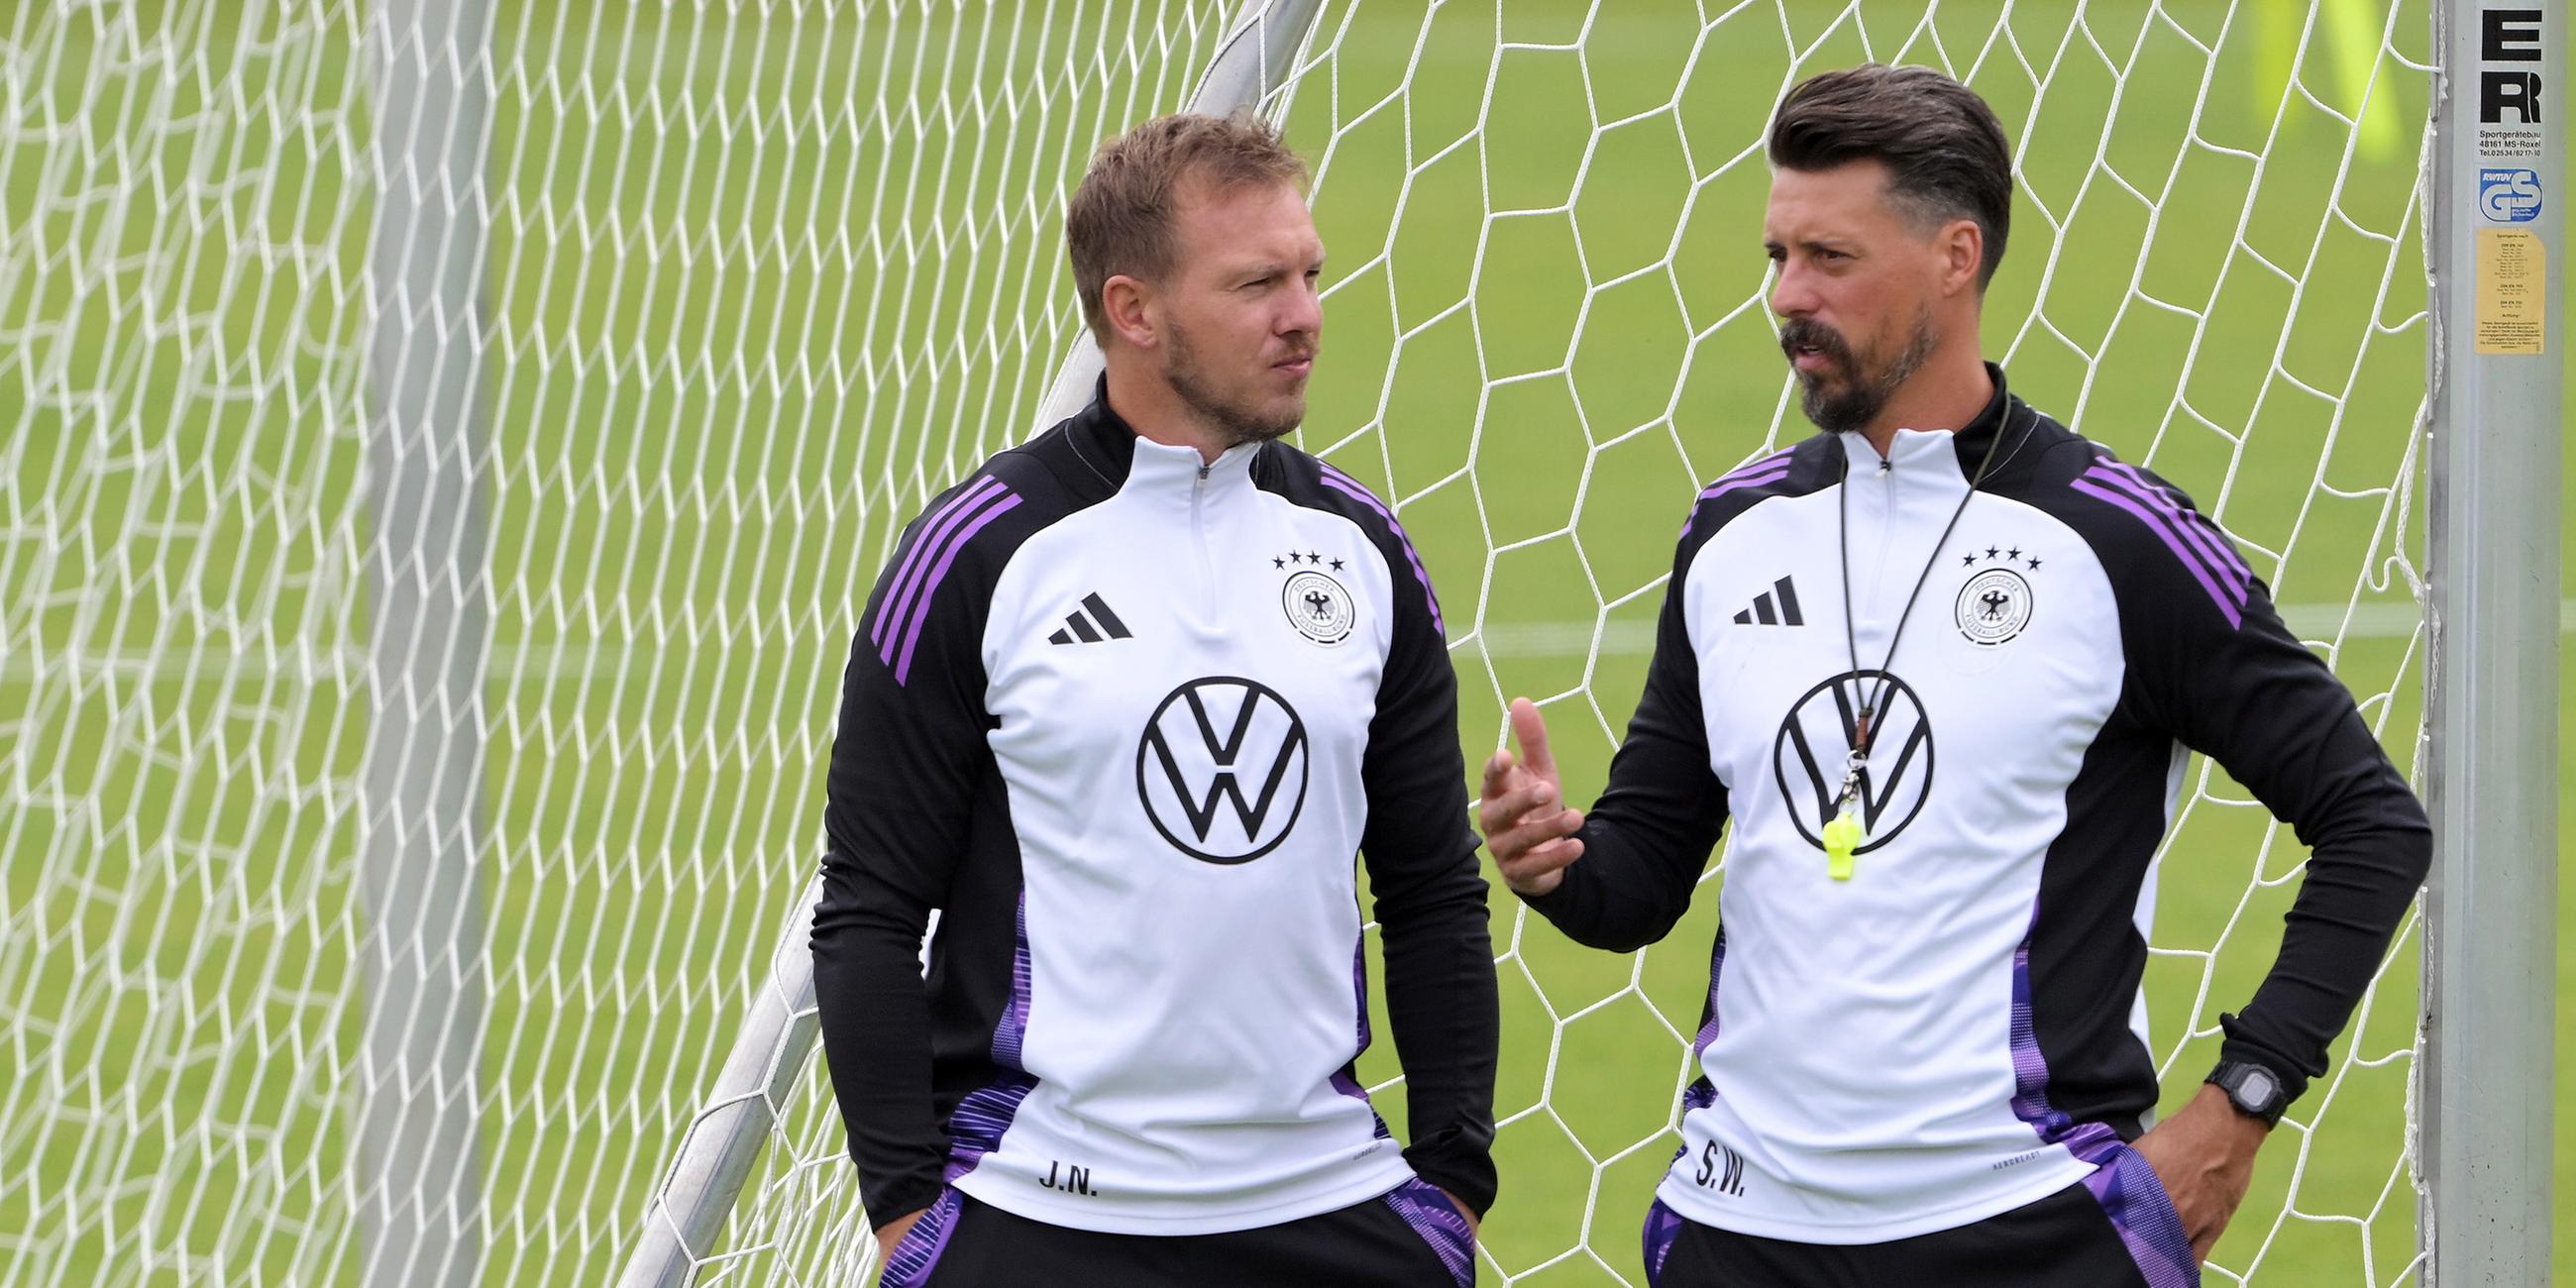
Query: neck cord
pixel 1842 834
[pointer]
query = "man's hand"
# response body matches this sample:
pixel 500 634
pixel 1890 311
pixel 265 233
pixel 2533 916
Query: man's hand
pixel 1526 825
pixel 2205 1157
pixel 892 1232
pixel 1474 1227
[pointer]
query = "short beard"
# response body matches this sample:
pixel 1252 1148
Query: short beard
pixel 1865 393
pixel 1237 425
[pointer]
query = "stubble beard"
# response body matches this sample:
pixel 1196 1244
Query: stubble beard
pixel 1236 424
pixel 1864 393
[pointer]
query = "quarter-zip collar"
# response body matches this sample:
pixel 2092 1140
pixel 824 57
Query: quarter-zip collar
pixel 1124 461
pixel 1913 450
pixel 1164 474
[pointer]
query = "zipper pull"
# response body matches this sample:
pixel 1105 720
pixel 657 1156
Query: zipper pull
pixel 1886 465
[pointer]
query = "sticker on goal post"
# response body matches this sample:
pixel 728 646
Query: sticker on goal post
pixel 2513 292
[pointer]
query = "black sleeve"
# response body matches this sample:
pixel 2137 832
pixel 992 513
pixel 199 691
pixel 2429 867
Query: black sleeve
pixel 905 765
pixel 1647 839
pixel 1430 901
pixel 2250 696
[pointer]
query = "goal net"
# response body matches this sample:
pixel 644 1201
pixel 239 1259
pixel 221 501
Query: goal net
pixel 742 285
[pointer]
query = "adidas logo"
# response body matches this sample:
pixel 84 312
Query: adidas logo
pixel 1079 629
pixel 1782 613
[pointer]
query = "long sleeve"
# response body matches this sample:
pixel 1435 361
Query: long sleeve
pixel 2212 664
pixel 1648 837
pixel 905 767
pixel 1441 998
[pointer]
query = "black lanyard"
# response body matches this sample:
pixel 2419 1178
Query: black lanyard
pixel 1842 834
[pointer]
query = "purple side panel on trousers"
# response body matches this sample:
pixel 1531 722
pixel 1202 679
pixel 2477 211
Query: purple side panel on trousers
pixel 2231 607
pixel 2144 1217
pixel 1348 486
pixel 1663 1229
pixel 933 532
pixel 1436 1219
pixel 908 1264
pixel 912 632
pixel 2135 1200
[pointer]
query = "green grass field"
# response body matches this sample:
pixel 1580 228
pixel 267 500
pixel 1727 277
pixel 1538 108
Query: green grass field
pixel 758 285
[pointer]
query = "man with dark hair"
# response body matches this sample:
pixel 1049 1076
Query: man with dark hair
pixel 1944 666
pixel 1125 705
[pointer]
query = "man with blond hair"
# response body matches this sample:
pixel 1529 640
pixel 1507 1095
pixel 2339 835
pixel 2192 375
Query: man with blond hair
pixel 1123 707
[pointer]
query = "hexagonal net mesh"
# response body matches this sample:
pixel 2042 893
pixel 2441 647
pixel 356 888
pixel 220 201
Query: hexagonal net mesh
pixel 758 280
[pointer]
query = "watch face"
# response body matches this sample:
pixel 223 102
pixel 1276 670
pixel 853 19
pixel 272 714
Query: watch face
pixel 2256 1088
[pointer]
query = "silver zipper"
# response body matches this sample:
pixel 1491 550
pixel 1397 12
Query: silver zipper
pixel 1198 538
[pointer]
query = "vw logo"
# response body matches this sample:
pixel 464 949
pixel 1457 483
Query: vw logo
pixel 1221 769
pixel 1815 742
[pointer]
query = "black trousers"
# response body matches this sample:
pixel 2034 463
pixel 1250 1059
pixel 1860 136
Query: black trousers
pixel 1409 1237
pixel 2116 1229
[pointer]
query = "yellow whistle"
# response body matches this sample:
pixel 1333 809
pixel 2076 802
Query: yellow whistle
pixel 1842 836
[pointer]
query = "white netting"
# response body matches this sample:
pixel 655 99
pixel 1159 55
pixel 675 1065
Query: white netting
pixel 760 279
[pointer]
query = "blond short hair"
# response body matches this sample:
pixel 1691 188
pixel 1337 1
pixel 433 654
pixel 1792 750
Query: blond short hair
pixel 1120 220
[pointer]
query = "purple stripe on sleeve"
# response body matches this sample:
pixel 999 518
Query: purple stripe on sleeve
pixel 909 1262
pixel 1732 482
pixel 1760 465
pixel 909 599
pixel 1736 482
pixel 912 632
pixel 1343 483
pixel 2201 527
pixel 899 591
pixel 2228 607
pixel 2192 524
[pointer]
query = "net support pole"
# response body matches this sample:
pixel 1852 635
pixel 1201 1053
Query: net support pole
pixel 417 1175
pixel 723 1143
pixel 2493 195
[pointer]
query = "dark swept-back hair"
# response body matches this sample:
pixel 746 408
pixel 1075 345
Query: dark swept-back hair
pixel 1945 152
pixel 1121 216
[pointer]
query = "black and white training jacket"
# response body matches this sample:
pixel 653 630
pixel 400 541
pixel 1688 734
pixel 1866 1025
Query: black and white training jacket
pixel 1125 718
pixel 1959 1029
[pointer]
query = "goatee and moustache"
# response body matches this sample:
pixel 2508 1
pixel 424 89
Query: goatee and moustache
pixel 1865 387
pixel 1237 423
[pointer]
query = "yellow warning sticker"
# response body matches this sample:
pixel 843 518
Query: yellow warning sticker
pixel 2513 275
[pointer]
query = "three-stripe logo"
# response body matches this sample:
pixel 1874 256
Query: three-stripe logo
pixel 944 532
pixel 1777 606
pixel 2197 543
pixel 1081 629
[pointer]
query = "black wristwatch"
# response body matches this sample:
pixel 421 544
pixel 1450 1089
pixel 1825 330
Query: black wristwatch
pixel 2254 1090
